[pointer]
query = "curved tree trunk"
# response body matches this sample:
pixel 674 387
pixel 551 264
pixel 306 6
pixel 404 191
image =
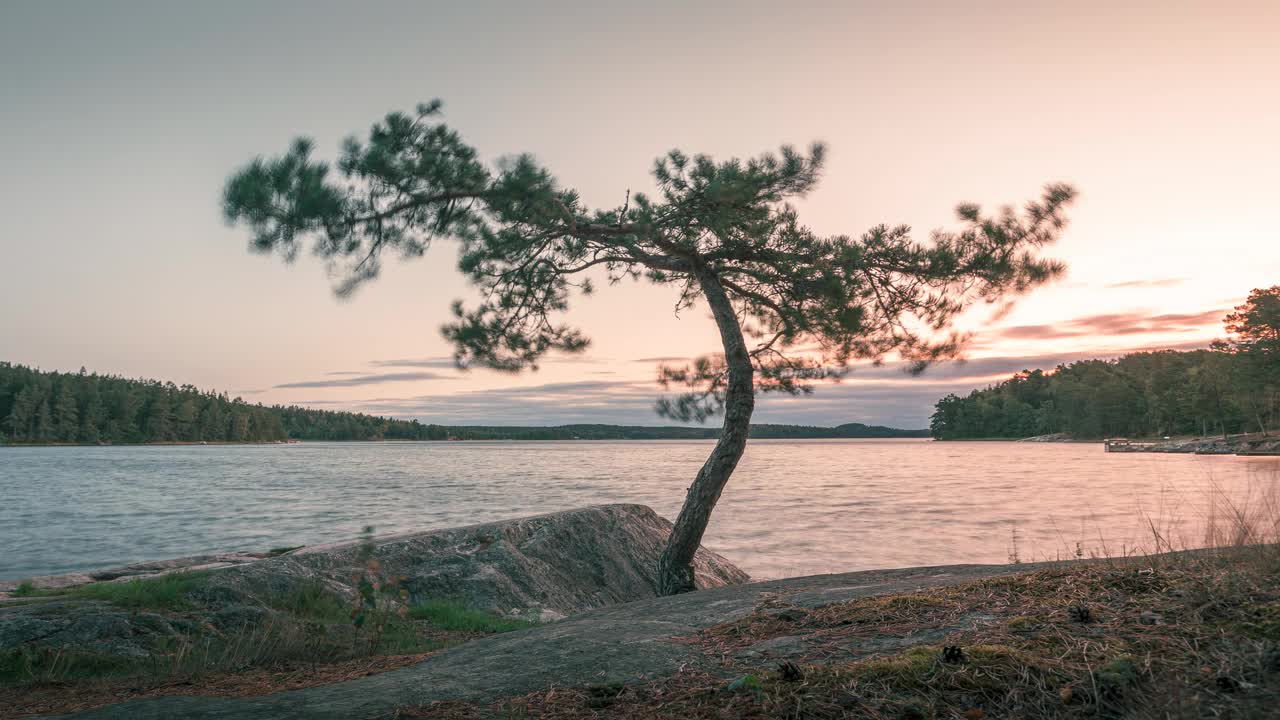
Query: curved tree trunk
pixel 675 567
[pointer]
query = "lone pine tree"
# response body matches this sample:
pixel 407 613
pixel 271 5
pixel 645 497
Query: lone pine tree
pixel 792 307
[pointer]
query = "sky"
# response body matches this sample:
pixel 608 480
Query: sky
pixel 119 123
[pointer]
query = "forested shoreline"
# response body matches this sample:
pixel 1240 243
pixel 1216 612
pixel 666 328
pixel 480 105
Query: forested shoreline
pixel 1137 395
pixel 1231 387
pixel 51 408
pixel 38 407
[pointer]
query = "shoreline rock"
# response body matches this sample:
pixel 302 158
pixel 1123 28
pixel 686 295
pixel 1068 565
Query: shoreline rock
pixel 1052 438
pixel 1239 445
pixel 543 568
pixel 607 647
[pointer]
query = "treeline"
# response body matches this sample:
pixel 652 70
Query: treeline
pixel 1143 394
pixel 1231 388
pixel 306 424
pixel 848 430
pixel 54 407
pixel 85 408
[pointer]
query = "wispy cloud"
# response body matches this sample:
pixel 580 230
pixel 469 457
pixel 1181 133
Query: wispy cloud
pixel 883 394
pixel 661 359
pixel 871 394
pixel 365 380
pixel 430 362
pixel 1112 324
pixel 573 360
pixel 1158 282
pixel 448 363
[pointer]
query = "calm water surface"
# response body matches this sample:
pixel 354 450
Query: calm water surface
pixel 793 507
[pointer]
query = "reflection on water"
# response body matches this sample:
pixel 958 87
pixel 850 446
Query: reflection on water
pixel 793 507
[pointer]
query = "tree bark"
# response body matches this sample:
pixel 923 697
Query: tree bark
pixel 675 566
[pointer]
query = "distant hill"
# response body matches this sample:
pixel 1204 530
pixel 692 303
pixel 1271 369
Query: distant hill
pixel 38 407
pixel 646 432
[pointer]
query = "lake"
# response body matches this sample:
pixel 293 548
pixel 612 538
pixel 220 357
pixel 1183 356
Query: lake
pixel 794 507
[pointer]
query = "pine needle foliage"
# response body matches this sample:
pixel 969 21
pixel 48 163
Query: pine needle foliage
pixel 793 308
pixel 811 303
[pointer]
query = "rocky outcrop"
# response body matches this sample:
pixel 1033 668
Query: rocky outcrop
pixel 151 568
pixel 544 567
pixel 549 566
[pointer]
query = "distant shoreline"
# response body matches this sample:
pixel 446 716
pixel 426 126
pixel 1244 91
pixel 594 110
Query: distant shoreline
pixel 168 443
pixel 72 409
pixel 224 443
pixel 1019 440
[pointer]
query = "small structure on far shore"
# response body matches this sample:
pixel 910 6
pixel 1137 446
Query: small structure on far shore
pixel 1127 445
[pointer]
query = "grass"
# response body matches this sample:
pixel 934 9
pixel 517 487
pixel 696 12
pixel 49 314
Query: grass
pixel 310 628
pixel 260 680
pixel 166 592
pixel 282 654
pixel 25 665
pixel 449 615
pixel 311 601
pixel 309 636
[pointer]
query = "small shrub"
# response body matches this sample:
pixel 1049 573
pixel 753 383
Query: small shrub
pixel 1116 677
pixel 25 589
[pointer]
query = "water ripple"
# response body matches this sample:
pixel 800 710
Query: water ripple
pixel 793 507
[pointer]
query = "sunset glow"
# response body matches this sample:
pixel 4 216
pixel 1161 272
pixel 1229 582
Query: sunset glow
pixel 119 125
